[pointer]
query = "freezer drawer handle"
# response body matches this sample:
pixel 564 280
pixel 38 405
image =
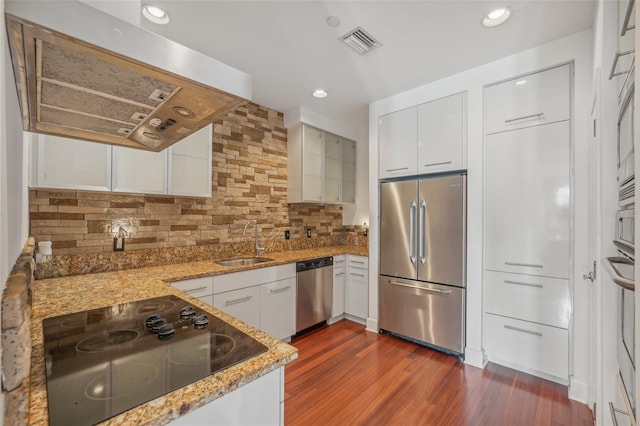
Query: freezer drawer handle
pixel 236 301
pixel 524 117
pixel 412 233
pixel 279 290
pixel 530 265
pixel 524 284
pixel 437 164
pixel 193 290
pixel 522 330
pixel 432 290
pixel 619 279
pixel 398 169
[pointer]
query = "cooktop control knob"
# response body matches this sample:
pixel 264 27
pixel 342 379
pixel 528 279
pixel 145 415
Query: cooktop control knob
pixel 157 324
pixel 187 312
pixel 150 320
pixel 201 321
pixel 166 331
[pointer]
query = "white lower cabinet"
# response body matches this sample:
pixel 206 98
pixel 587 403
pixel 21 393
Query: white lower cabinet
pixel 276 316
pixel 202 288
pixel 257 403
pixel 357 293
pixel 339 279
pixel 264 298
pixel 528 346
pixel 243 304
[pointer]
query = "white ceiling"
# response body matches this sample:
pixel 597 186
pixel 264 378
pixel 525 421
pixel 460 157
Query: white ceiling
pixel 290 50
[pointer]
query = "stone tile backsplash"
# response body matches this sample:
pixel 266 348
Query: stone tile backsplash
pixel 249 183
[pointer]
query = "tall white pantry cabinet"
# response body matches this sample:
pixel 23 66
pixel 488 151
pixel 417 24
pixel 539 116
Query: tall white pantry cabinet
pixel 527 222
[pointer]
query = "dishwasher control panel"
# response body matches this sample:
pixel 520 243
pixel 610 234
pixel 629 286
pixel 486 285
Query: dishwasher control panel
pixel 314 264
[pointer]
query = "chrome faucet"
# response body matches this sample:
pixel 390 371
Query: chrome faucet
pixel 259 250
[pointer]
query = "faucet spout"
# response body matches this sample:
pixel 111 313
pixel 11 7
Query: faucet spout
pixel 258 250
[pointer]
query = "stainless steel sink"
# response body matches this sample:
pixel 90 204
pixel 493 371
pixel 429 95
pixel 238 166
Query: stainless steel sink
pixel 244 261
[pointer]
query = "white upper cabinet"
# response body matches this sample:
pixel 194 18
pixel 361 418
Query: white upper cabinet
pixel 73 164
pixel 535 99
pixel 321 167
pixel 190 164
pixel 442 134
pixel 428 138
pixel 135 170
pixel 397 140
pixel 182 169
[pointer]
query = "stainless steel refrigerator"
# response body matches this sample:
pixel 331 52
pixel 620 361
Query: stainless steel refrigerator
pixel 423 260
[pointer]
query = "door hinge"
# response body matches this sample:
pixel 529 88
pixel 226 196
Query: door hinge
pixel 592 274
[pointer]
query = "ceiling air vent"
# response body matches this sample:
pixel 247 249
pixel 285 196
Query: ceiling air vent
pixel 360 40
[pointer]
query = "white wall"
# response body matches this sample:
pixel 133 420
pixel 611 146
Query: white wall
pixel 573 48
pixel 355 129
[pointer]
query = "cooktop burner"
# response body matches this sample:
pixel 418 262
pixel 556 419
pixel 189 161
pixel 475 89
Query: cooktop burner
pixel 102 362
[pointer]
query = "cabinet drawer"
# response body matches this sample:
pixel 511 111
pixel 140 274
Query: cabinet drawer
pixel 244 304
pixel 528 297
pixel 339 261
pixel 238 280
pixel 278 308
pixel 531 100
pixel 533 347
pixel 360 262
pixel 196 287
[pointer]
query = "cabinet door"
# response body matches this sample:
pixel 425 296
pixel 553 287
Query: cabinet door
pixel 527 201
pixel 190 164
pixel 531 100
pixel 135 170
pixel 332 168
pixel 73 164
pixel 348 171
pixel 441 132
pixel 337 308
pixel 278 308
pixel 312 164
pixel 397 142
pixel 243 304
pixel 358 292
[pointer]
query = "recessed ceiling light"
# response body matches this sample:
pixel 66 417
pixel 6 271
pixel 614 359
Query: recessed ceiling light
pixel 155 14
pixel 496 17
pixel 320 93
pixel 333 21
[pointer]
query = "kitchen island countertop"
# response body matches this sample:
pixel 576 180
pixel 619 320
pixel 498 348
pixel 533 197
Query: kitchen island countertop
pixel 59 296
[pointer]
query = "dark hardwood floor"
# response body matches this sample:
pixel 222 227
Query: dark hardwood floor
pixel 345 375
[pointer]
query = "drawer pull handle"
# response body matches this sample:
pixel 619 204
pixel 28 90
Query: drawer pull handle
pixel 398 169
pixel 432 290
pixel 279 290
pixel 522 330
pixel 236 301
pixel 358 261
pixel 194 290
pixel 437 164
pixel 357 275
pixel 530 265
pixel 339 273
pixel 524 117
pixel 523 284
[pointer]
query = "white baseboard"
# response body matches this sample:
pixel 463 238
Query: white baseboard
pixel 578 391
pixel 355 319
pixel 335 319
pixel 475 357
pixel 372 325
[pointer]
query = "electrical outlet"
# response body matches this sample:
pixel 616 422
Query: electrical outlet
pixel 287 235
pixel 365 232
pixel 308 233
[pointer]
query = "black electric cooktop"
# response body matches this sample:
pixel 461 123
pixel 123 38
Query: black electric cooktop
pixel 105 361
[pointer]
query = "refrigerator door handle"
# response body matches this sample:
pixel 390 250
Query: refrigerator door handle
pixel 422 249
pixel 431 290
pixel 412 232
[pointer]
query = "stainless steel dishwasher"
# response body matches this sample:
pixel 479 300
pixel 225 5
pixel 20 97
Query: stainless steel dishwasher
pixel 315 292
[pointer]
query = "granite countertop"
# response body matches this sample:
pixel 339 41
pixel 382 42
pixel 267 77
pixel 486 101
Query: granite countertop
pixel 59 296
